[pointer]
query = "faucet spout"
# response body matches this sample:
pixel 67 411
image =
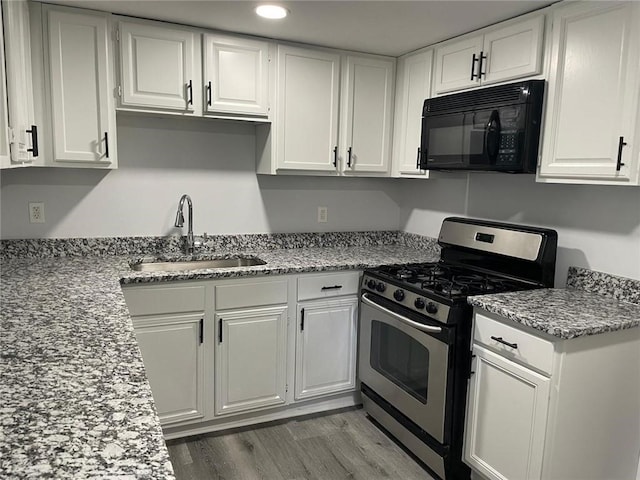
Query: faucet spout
pixel 189 245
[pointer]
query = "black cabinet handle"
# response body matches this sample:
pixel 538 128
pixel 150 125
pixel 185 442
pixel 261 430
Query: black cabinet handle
pixel 335 156
pixel 621 144
pixel 220 330
pixel 302 320
pixel 500 340
pixel 201 330
pixel 349 157
pixel 418 160
pixel 334 287
pixel 481 74
pixel 106 144
pixel 474 60
pixel 190 90
pixel 209 94
pixel 34 141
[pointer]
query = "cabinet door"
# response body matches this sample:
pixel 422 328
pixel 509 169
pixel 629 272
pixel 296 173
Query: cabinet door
pixel 81 89
pixel 413 88
pixel 513 52
pixel 5 155
pixel 594 62
pixel 173 352
pixel 307 114
pixel 506 418
pixel 367 114
pixel 457 65
pixel 236 75
pixel 325 347
pixel 250 367
pixel 160 68
pixel 23 138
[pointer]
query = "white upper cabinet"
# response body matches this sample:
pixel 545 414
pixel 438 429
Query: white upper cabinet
pixel 160 68
pixel 307 109
pixel 236 75
pixel 23 133
pixel 591 123
pixel 412 88
pixel 367 115
pixel 511 51
pixel 81 88
pixel 5 154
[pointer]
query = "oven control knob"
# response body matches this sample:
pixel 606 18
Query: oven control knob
pixel 381 287
pixel 419 303
pixel 371 284
pixel 432 307
pixel 398 295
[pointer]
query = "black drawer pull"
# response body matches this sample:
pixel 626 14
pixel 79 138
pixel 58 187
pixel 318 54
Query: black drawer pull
pixel 209 94
pixel 34 140
pixel 190 90
pixel 334 287
pixel 220 330
pixel 500 340
pixel 302 320
pixel 474 60
pixel 335 156
pixel 106 144
pixel 621 143
pixel 349 152
pixel 201 333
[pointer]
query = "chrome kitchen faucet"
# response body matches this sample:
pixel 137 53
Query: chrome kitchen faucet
pixel 190 244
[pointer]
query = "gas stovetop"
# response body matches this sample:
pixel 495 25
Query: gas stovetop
pixel 450 281
pixel 438 290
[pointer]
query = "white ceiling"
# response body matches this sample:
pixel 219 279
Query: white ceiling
pixel 391 27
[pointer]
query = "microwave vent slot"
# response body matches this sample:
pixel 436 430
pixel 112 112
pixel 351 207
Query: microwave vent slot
pixel 502 94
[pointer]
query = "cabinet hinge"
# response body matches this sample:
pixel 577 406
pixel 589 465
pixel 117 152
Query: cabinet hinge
pixel 286 388
pixel 119 91
pixel 117 34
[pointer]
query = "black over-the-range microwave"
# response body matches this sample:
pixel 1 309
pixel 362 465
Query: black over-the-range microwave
pixel 491 129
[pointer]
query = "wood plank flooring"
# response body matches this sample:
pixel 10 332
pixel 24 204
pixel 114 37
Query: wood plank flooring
pixel 335 446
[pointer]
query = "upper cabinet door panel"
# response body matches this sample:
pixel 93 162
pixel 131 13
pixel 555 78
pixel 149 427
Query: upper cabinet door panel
pixel 368 114
pixel 5 154
pixel 236 75
pixel 81 92
pixel 513 52
pixel 308 95
pixel 160 67
pixel 457 65
pixel 595 63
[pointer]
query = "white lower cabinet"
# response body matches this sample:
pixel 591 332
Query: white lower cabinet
pixel 506 417
pixel 173 353
pixel 251 359
pixel 326 347
pixel 541 407
pixel 169 321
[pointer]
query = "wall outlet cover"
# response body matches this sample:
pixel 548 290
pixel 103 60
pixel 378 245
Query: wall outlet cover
pixel 323 214
pixel 36 212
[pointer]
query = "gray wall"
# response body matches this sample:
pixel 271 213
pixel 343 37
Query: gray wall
pixel 214 162
pixel 598 226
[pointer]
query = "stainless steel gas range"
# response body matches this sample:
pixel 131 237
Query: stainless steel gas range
pixel 415 328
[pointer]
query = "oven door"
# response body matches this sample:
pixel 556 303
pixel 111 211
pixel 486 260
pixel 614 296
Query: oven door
pixel 403 360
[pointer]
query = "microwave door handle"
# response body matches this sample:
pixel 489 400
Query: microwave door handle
pixel 492 136
pixel 403 319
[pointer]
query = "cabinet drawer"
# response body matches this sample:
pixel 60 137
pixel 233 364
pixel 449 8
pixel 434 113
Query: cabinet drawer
pixel 529 349
pixel 254 294
pixel 157 300
pixel 328 285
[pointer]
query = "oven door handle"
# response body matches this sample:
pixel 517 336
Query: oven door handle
pixel 411 323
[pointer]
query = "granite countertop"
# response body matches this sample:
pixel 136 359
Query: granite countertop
pixel 563 313
pixel 75 398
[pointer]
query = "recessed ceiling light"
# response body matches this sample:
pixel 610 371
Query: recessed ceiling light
pixel 272 11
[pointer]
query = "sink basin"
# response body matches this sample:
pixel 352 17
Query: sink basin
pixel 197 264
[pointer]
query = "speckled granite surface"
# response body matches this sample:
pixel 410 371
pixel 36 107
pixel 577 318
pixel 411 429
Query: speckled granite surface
pixel 63 247
pixel 75 399
pixel 620 288
pixel 571 312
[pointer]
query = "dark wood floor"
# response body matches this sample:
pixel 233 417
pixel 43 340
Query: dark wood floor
pixel 343 445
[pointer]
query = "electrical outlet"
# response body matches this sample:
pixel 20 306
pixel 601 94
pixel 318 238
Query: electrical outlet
pixel 323 215
pixel 36 212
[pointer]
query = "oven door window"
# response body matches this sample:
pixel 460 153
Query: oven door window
pixel 401 359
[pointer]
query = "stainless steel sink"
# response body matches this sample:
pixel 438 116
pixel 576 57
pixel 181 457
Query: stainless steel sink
pixel 197 264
